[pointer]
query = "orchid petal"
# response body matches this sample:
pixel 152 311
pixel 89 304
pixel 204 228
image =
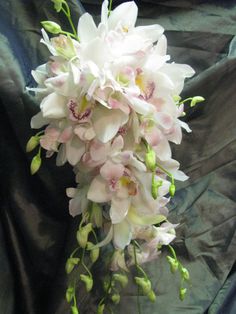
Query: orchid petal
pixel 98 191
pixel 122 234
pixel 107 122
pixel 54 106
pixel 119 209
pixel 126 14
pixel 38 121
pixel 87 29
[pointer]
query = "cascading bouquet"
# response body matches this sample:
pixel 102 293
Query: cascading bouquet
pixel 110 103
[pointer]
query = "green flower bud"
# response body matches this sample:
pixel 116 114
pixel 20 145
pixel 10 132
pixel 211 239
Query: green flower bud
pixel 70 264
pixel 176 98
pixel 52 27
pixel 101 308
pixel 32 143
pixel 57 5
pixel 96 215
pixel 196 100
pixel 144 283
pixel 115 298
pixel 82 235
pixel 174 264
pixel 185 273
pixel 35 164
pixel 94 253
pixel 69 294
pixel 155 187
pixel 182 293
pixel 122 279
pixel 150 159
pixel 172 189
pixel 88 282
pixel 151 296
pixel 74 310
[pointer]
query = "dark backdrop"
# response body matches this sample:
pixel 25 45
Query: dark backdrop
pixel 36 231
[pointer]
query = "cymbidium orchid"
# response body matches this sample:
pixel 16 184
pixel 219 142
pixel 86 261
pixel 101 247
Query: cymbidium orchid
pixel 109 98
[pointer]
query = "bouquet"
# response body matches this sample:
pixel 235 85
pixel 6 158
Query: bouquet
pixel 110 105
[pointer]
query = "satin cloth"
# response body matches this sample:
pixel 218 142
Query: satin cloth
pixel 36 232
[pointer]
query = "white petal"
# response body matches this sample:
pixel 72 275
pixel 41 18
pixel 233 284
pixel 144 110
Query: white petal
pixel 106 240
pixel 185 126
pixel 119 209
pixel 87 29
pixel 75 148
pixel 141 106
pixel 98 192
pixel 126 14
pixel 54 106
pixel 104 13
pixel 151 32
pixel 122 234
pixel 106 122
pixel 38 121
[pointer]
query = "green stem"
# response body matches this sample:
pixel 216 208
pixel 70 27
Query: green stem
pixel 69 34
pixel 68 15
pixel 173 252
pixel 138 288
pixel 85 267
pixel 167 172
pixel 95 236
pixel 109 9
pixel 73 253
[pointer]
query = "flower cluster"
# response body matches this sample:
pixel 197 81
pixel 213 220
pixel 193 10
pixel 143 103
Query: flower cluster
pixel 111 106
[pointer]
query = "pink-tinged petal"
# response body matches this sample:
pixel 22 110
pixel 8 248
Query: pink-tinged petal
pixel 141 106
pixel 54 106
pixel 154 137
pixel 87 29
pixel 175 135
pixel 98 191
pixel 49 140
pixel 75 148
pixel 163 150
pixel 119 209
pixel 117 144
pixel 99 150
pixel 106 122
pixel 122 234
pixel 110 171
pixel 38 121
pixel 65 135
pixel 164 120
pixel 61 156
pixel 125 14
pixel 85 133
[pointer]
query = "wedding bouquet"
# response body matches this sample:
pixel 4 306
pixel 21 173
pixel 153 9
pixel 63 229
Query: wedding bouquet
pixel 110 106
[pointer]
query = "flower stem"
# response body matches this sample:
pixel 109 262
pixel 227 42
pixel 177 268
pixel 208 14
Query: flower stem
pixel 138 288
pixel 85 267
pixel 109 9
pixel 68 15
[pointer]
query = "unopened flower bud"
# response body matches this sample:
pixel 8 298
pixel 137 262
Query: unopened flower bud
pixel 182 293
pixel 32 143
pixel 52 27
pixel 70 264
pixel 150 159
pixel 196 100
pixel 82 235
pixel 172 189
pixel 176 98
pixel 122 279
pixel 57 5
pixel 115 298
pixel 69 294
pixel 35 164
pixel 173 264
pixel 88 282
pixel 100 308
pixel 155 187
pixel 96 215
pixel 144 283
pixel 185 273
pixel 151 295
pixel 94 253
pixel 74 310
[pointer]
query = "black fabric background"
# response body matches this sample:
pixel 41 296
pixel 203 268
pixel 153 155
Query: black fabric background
pixel 37 233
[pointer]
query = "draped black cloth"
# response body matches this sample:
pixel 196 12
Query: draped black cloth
pixel 36 232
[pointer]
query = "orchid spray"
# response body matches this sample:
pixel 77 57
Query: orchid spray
pixel 110 106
